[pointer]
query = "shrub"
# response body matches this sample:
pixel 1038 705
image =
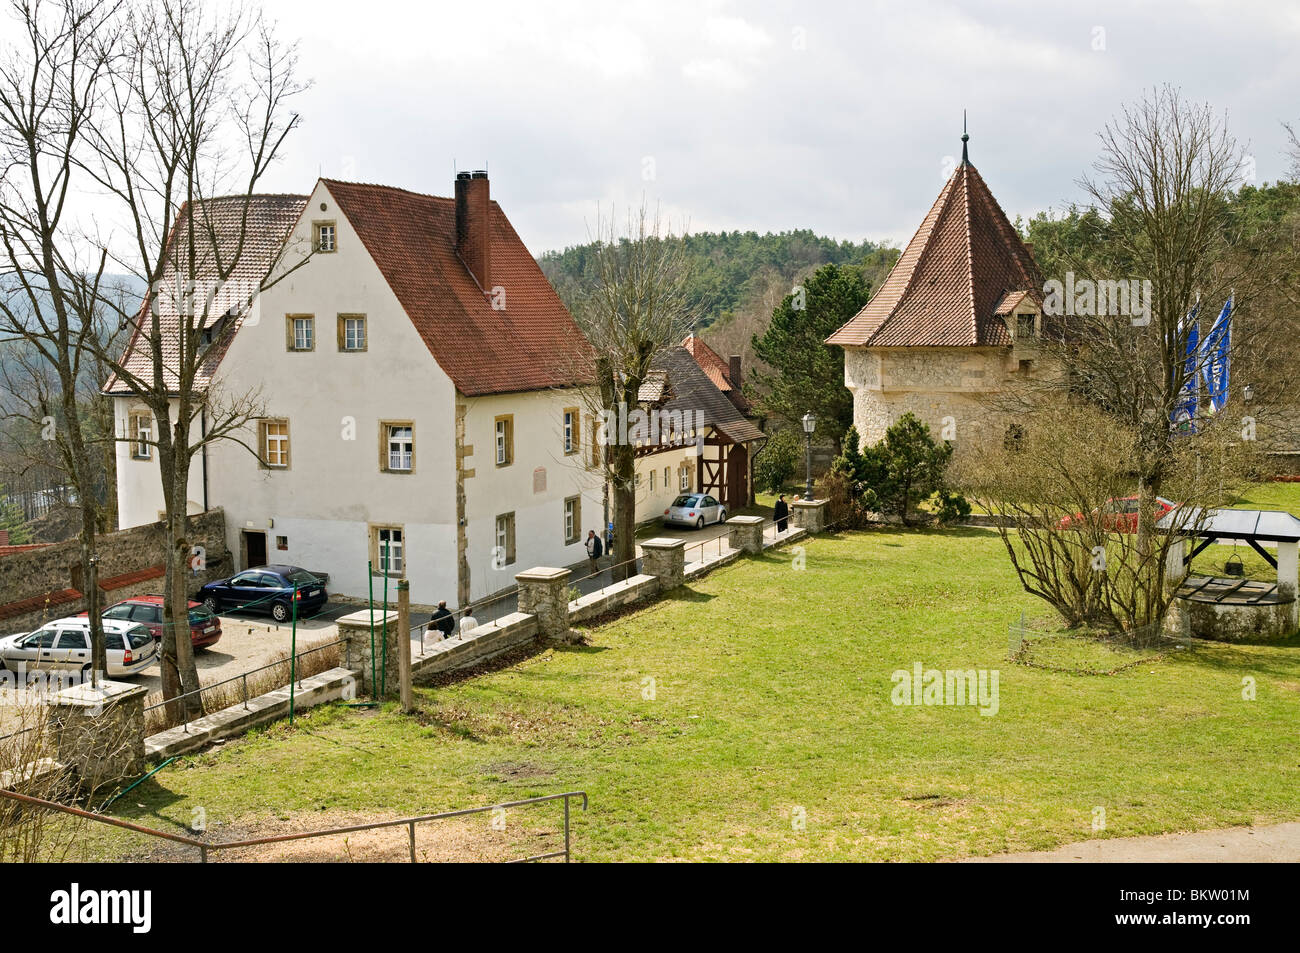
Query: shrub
pixel 778 461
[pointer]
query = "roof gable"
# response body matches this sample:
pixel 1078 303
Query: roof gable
pixel 531 343
pixel 946 286
pixel 264 222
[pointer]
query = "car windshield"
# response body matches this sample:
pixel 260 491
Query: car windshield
pixel 685 501
pixel 302 577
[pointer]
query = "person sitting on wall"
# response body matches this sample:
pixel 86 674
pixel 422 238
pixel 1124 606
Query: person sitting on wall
pixel 468 623
pixel 780 513
pixel 443 620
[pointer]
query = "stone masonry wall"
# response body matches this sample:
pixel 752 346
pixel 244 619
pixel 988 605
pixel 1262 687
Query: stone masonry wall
pixel 35 572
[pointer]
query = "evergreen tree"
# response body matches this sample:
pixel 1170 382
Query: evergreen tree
pixel 808 374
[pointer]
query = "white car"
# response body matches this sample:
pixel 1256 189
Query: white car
pixel 64 645
pixel 695 509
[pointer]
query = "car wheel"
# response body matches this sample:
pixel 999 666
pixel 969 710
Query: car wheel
pixel 85 673
pixel 280 612
pixel 722 516
pixel 213 604
pixel 699 523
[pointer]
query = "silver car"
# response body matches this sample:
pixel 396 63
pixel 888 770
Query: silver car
pixel 64 645
pixel 694 509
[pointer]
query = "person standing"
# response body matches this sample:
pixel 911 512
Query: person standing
pixel 594 550
pixel 781 513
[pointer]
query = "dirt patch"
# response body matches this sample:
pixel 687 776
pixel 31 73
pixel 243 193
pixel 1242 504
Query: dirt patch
pixel 516 770
pixel 480 838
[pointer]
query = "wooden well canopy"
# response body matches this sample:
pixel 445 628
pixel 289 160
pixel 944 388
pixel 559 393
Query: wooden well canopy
pixel 1252 527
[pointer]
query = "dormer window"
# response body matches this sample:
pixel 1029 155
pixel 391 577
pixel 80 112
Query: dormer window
pixel 1026 325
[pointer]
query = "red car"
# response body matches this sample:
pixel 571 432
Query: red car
pixel 1119 515
pixel 205 627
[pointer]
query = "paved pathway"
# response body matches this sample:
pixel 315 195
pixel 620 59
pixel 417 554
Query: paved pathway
pixel 1278 843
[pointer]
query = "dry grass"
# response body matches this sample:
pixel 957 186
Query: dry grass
pixel 311 661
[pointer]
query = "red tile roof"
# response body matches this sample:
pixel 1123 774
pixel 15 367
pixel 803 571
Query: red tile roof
pixel 946 286
pixel 263 222
pixel 710 362
pixel 532 343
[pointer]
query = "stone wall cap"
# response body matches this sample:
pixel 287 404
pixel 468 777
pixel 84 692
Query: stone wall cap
pixel 809 502
pixel 86 696
pixel 662 542
pixel 363 617
pixel 542 574
pixel 746 520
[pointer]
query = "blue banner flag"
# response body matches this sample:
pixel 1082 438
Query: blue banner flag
pixel 1214 360
pixel 1184 415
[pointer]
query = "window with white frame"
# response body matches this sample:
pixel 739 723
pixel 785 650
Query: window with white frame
pixel 141 436
pixel 302 332
pixel 571 430
pixel 325 234
pixel 652 480
pixel 684 476
pixel 505 538
pixel 388 549
pixel 401 447
pixel 572 519
pixel 352 332
pixel 667 479
pixel 275 443
pixel 505 440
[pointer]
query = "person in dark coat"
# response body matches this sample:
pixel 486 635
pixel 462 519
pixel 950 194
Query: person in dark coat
pixel 443 620
pixel 781 513
pixel 594 550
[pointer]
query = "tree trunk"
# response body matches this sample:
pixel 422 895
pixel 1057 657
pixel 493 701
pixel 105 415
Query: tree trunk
pixel 624 468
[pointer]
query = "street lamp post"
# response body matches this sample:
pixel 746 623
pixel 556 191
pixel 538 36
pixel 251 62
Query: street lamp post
pixel 809 425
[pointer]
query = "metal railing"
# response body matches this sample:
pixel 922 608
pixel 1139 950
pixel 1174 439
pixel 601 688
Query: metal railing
pixel 420 630
pixel 206 847
pixel 243 679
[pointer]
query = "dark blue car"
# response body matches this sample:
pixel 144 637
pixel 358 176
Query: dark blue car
pixel 269 589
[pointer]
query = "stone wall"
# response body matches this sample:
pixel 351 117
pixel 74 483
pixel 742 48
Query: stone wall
pixel 931 383
pixel 33 574
pixel 477 646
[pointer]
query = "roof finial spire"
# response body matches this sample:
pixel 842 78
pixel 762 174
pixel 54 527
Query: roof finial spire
pixel 965 159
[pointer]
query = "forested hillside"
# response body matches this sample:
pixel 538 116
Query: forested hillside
pixel 738 278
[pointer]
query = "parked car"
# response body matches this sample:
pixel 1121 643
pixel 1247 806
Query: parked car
pixel 64 645
pixel 1119 515
pixel 268 589
pixel 694 509
pixel 205 627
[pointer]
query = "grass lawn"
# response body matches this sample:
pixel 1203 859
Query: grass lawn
pixel 772 694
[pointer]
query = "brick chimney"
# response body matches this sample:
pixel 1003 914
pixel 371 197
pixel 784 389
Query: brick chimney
pixel 473 226
pixel 734 371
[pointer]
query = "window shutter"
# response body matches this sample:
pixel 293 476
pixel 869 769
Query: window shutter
pixel 510 539
pixel 135 435
pixel 577 519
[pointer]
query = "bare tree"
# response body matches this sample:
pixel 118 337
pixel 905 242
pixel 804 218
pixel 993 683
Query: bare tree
pixel 49 90
pixel 636 305
pixel 1106 421
pixel 199 108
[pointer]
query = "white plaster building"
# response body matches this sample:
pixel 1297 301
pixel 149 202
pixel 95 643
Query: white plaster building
pixel 420 382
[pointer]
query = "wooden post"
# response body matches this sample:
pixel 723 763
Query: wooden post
pixel 404 644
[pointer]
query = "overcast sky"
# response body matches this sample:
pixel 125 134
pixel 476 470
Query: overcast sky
pixel 839 117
